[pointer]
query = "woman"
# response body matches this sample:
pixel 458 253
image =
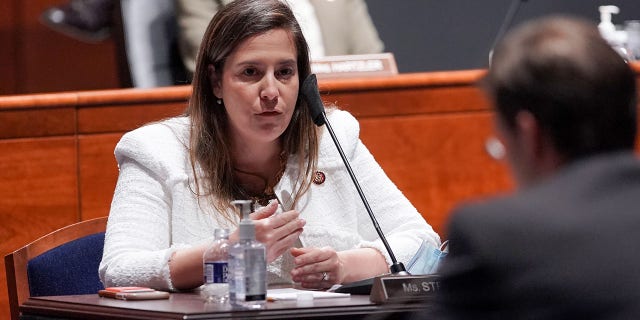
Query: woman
pixel 247 134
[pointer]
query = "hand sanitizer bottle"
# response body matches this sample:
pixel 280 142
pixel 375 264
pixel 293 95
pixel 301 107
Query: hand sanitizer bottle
pixel 616 38
pixel 216 288
pixel 247 264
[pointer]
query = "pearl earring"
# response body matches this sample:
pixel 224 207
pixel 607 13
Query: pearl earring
pixel 219 101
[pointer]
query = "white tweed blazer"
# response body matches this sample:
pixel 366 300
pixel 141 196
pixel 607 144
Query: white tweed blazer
pixel 155 211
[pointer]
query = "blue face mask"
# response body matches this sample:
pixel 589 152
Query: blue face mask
pixel 428 258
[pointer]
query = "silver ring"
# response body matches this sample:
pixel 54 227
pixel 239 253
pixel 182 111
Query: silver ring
pixel 325 276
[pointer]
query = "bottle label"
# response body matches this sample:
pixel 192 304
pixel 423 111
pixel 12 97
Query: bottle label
pixel 255 297
pixel 255 276
pixel 215 272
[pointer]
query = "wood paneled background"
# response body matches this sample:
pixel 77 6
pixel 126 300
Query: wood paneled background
pixel 427 131
pixel 56 150
pixel 34 58
pixel 57 165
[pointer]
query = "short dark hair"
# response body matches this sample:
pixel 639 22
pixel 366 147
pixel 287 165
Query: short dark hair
pixel 581 91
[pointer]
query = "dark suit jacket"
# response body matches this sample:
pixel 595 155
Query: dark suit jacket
pixel 567 248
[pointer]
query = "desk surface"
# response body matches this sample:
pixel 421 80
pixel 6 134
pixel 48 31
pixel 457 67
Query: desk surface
pixel 190 306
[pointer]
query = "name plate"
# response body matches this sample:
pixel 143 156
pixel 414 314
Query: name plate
pixel 391 288
pixel 351 66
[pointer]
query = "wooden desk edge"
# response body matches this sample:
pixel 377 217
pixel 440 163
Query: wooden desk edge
pixel 54 306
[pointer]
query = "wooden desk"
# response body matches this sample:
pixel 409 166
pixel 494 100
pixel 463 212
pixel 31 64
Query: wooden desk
pixel 190 306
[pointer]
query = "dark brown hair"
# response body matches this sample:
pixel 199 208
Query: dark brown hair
pixel 580 90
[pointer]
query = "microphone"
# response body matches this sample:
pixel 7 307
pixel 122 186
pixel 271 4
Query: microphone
pixel 311 95
pixel 506 23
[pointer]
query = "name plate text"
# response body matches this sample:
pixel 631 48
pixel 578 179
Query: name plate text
pixel 351 66
pixel 391 288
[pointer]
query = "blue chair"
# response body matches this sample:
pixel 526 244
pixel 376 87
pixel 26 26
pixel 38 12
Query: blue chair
pixel 63 262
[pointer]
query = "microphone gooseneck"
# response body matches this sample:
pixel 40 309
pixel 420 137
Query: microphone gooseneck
pixel 311 95
pixel 506 23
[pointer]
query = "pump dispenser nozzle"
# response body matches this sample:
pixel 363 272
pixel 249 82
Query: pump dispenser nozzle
pixel 616 38
pixel 246 228
pixel 606 25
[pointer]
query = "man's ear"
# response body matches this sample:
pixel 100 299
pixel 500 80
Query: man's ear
pixel 215 81
pixel 537 144
pixel 542 156
pixel 529 135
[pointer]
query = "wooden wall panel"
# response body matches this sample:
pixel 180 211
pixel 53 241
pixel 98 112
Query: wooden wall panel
pixel 35 58
pixel 8 37
pixel 123 118
pixel 38 194
pixel 98 173
pixel 38 178
pixel 50 56
pixel 408 101
pixel 420 93
pixel 436 160
pixel 23 123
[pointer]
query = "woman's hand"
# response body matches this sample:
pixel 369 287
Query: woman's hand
pixel 276 232
pixel 324 267
pixel 317 267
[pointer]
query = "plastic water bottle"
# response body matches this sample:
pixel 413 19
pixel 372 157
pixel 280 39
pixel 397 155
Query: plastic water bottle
pixel 247 264
pixel 216 286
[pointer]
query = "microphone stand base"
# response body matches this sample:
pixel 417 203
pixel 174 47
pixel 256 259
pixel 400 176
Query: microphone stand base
pixel 362 287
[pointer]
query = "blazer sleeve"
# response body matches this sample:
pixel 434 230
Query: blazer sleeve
pixel 138 238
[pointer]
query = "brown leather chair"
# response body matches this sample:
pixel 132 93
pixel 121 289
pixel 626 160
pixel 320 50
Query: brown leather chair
pixel 63 262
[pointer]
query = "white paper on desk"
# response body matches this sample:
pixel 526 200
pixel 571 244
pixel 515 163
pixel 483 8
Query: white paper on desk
pixel 292 294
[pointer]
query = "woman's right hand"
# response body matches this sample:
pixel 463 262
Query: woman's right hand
pixel 277 232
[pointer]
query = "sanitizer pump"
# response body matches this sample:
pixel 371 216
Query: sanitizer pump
pixel 247 264
pixel 606 26
pixel 616 38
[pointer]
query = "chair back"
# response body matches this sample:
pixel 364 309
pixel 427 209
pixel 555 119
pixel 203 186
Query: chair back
pixel 63 262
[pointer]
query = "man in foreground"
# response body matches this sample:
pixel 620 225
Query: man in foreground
pixel 566 245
